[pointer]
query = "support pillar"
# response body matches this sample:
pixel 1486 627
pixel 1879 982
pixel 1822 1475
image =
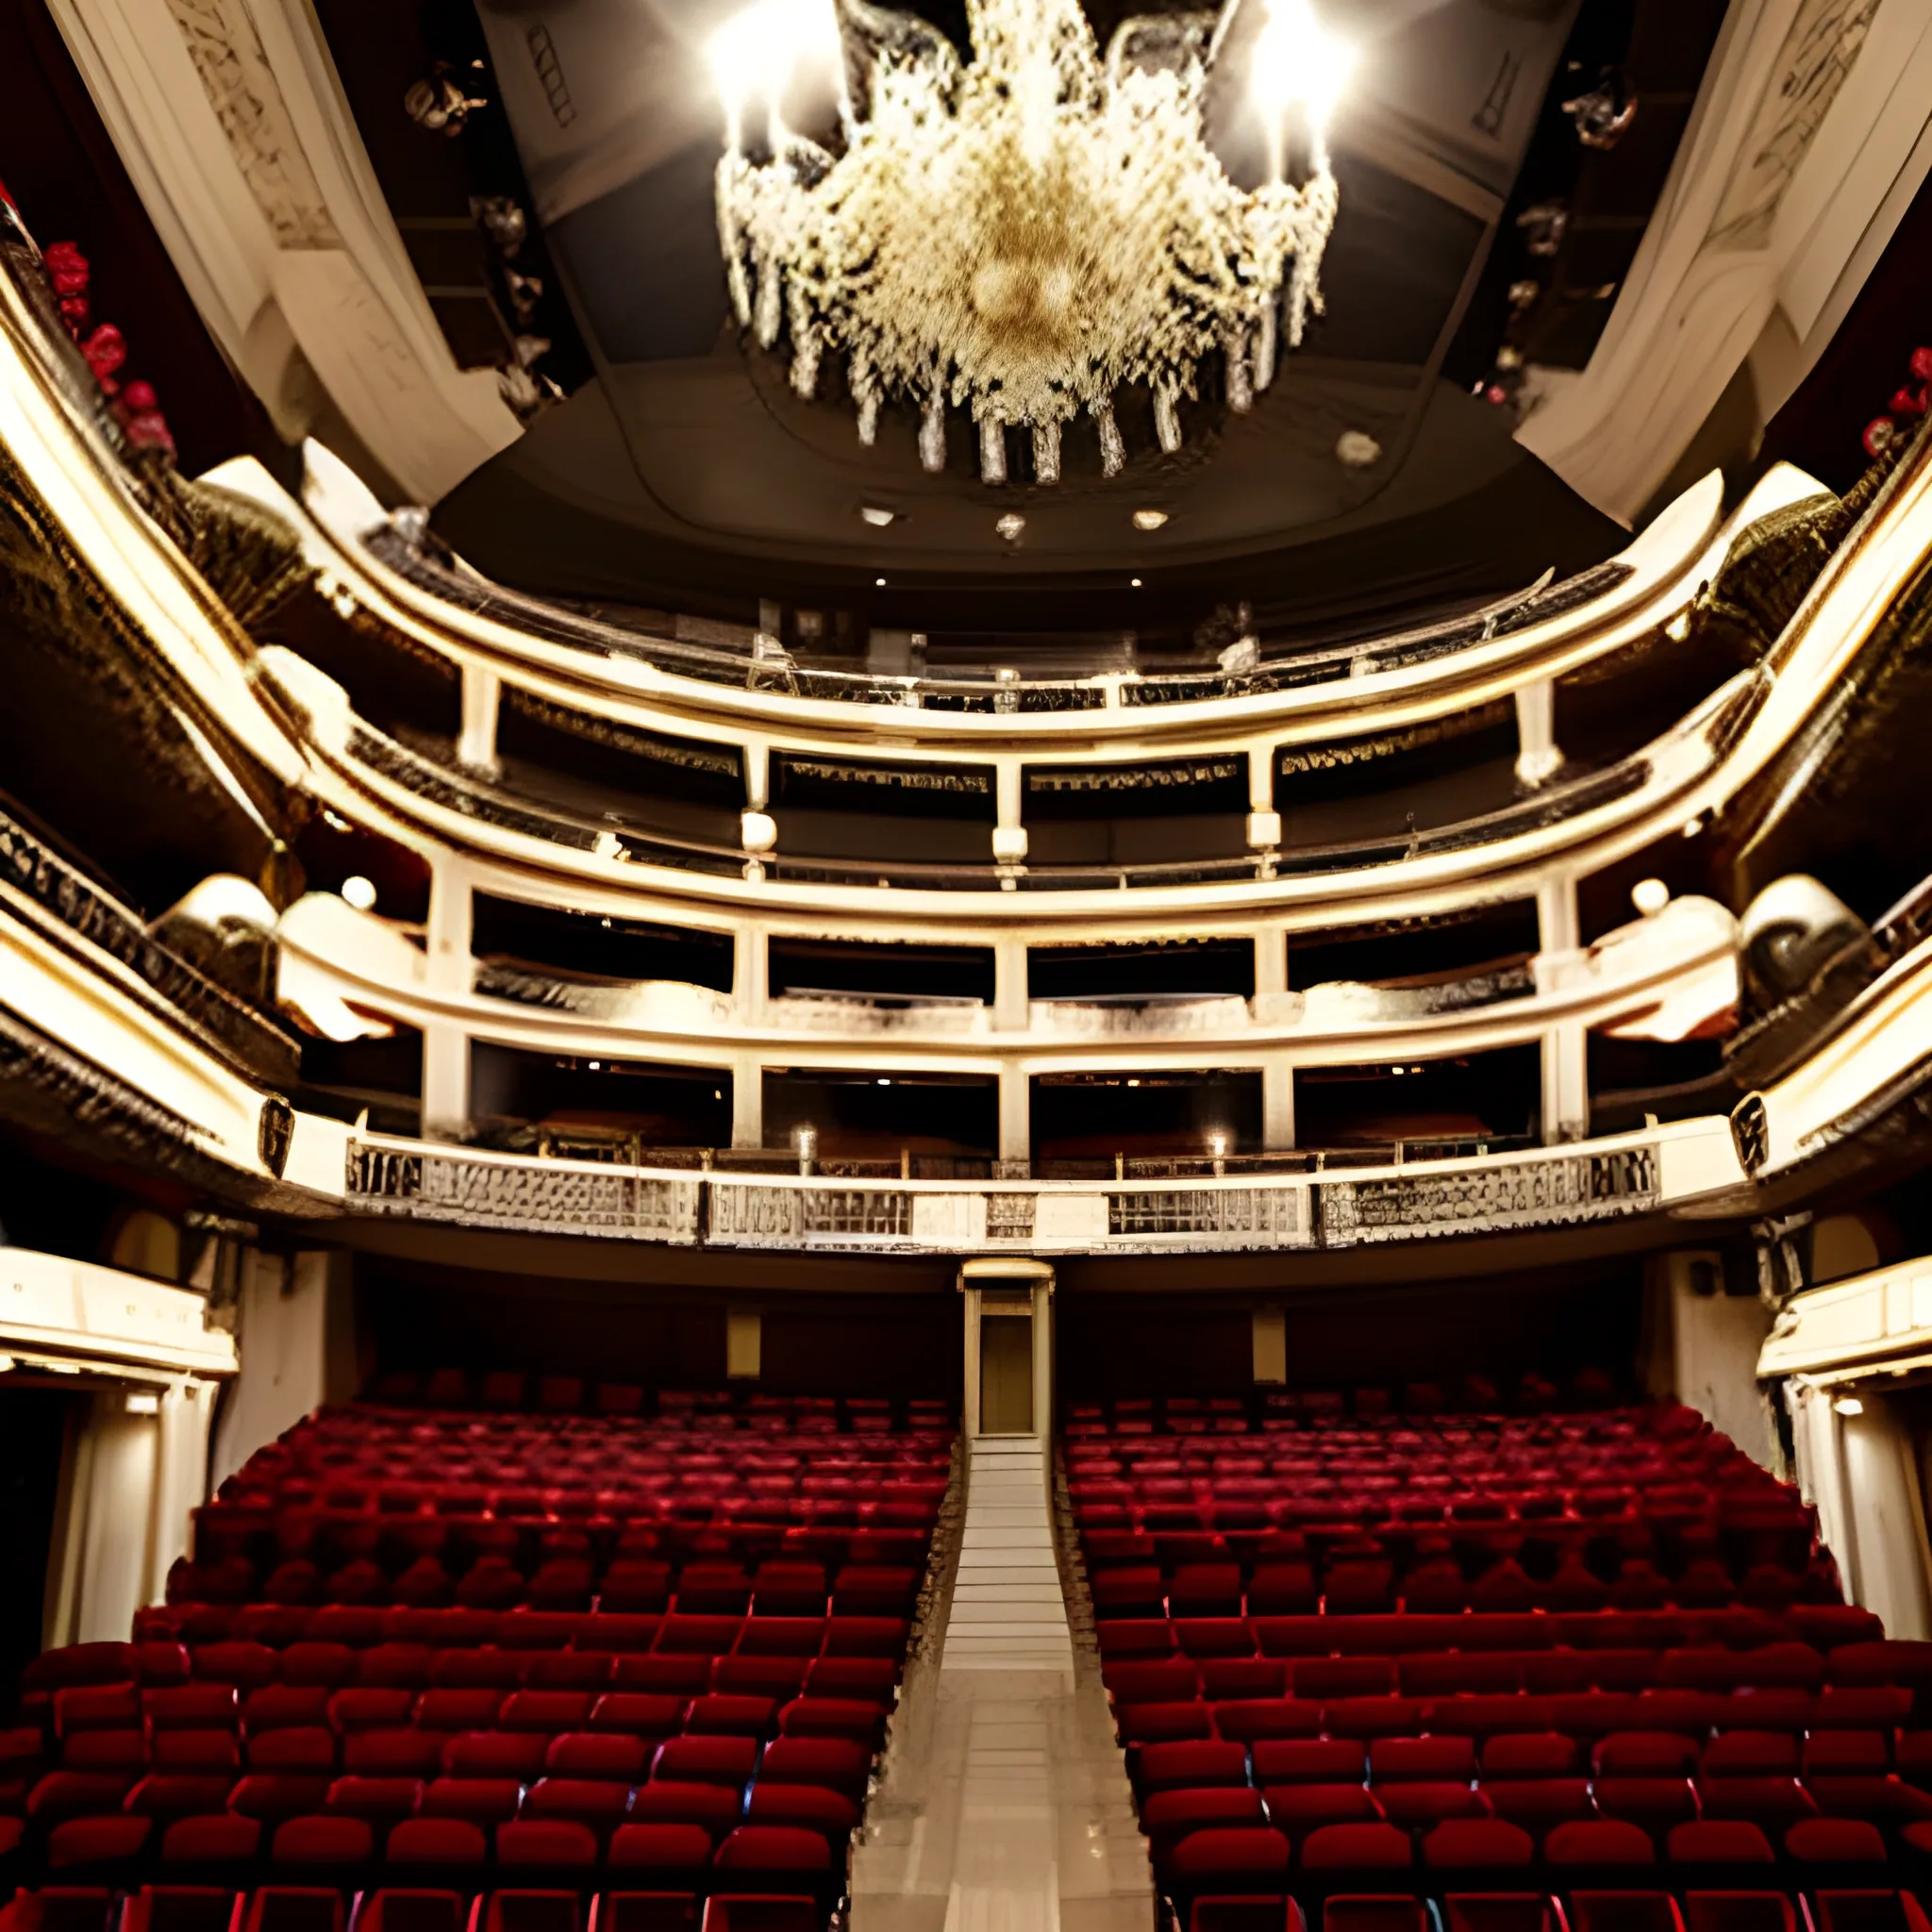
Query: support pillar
pixel 1012 1010
pixel 451 922
pixel 1278 1105
pixel 751 983
pixel 482 697
pixel 1009 829
pixel 1566 1083
pixel 747 1104
pixel 445 1081
pixel 1016 1116
pixel 1538 758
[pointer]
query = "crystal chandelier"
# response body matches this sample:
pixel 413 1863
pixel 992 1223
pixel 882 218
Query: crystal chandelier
pixel 1021 235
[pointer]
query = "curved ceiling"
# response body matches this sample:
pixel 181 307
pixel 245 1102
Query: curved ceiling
pixel 687 456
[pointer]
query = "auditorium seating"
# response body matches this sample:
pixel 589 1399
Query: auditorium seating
pixel 606 1643
pixel 1556 1654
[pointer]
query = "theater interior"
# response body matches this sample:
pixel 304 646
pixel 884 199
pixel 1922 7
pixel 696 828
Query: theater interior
pixel 1270 1272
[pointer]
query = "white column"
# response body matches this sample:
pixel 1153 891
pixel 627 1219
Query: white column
pixel 295 1332
pixel 1264 822
pixel 450 925
pixel 1011 1008
pixel 1277 1104
pixel 1881 1480
pixel 1538 758
pixel 119 1510
pixel 1016 1114
pixel 1559 929
pixel 482 694
pixel 751 984
pixel 180 1476
pixel 1565 1083
pixel 1010 832
pixel 445 1081
pixel 747 1103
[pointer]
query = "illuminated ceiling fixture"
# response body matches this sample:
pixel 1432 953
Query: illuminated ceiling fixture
pixel 1021 235
pixel 1149 518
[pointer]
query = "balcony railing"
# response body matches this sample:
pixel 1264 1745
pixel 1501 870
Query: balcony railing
pixel 61 894
pixel 759 665
pixel 1227 1212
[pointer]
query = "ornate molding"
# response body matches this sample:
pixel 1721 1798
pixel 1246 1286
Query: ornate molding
pixel 222 43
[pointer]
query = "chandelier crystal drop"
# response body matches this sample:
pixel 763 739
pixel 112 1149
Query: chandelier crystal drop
pixel 1021 235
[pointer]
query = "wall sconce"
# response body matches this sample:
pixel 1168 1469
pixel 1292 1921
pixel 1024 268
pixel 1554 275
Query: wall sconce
pixel 1849 1405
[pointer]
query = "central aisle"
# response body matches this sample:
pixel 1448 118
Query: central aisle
pixel 1003 1803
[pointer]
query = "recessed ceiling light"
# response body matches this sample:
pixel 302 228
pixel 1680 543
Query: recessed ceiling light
pixel 1133 583
pixel 877 515
pixel 1149 518
pixel 1012 526
pixel 878 583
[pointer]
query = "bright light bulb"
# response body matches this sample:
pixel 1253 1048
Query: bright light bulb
pixel 1849 1405
pixel 758 51
pixel 1297 63
pixel 360 892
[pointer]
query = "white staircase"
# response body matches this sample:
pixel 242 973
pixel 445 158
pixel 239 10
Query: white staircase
pixel 1007 1612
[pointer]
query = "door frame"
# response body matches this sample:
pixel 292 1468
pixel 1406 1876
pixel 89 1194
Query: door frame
pixel 1008 1273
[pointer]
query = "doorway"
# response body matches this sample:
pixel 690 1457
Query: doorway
pixel 1006 1361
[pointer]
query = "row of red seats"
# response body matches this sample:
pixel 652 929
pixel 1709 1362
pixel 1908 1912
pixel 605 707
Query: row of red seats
pixel 400 1907
pixel 1339 1697
pixel 716 1713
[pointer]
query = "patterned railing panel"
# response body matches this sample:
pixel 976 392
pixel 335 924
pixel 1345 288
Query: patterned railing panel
pixel 1485 1196
pixel 64 894
pixel 1490 1199
pixel 1228 1217
pixel 533 1196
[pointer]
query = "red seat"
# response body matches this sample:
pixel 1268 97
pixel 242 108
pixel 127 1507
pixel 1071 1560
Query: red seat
pixel 321 1841
pixel 1346 1912
pixel 1598 1842
pixel 546 1841
pixel 1738 1911
pixel 836 1762
pixel 1191 1764
pixel 1719 1842
pixel 1243 1857
pixel 1834 1842
pixel 1309 1760
pixel 733 1912
pixel 1466 1843
pixel 1344 1847
pixel 440 1842
pixel 472 1800
pixel 98 1841
pixel 219 1838
pixel 716 1807
pixel 596 1802
pixel 787 1853
pixel 380 1800
pixel 830 1813
pixel 1415 1806
pixel 707 1760
pixel 1411 1760
pixel 1624 1911
pixel 496 1754
pixel 1299 1809
pixel 681 1848
pixel 273 1797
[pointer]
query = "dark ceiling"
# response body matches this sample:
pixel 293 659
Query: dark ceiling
pixel 685 474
